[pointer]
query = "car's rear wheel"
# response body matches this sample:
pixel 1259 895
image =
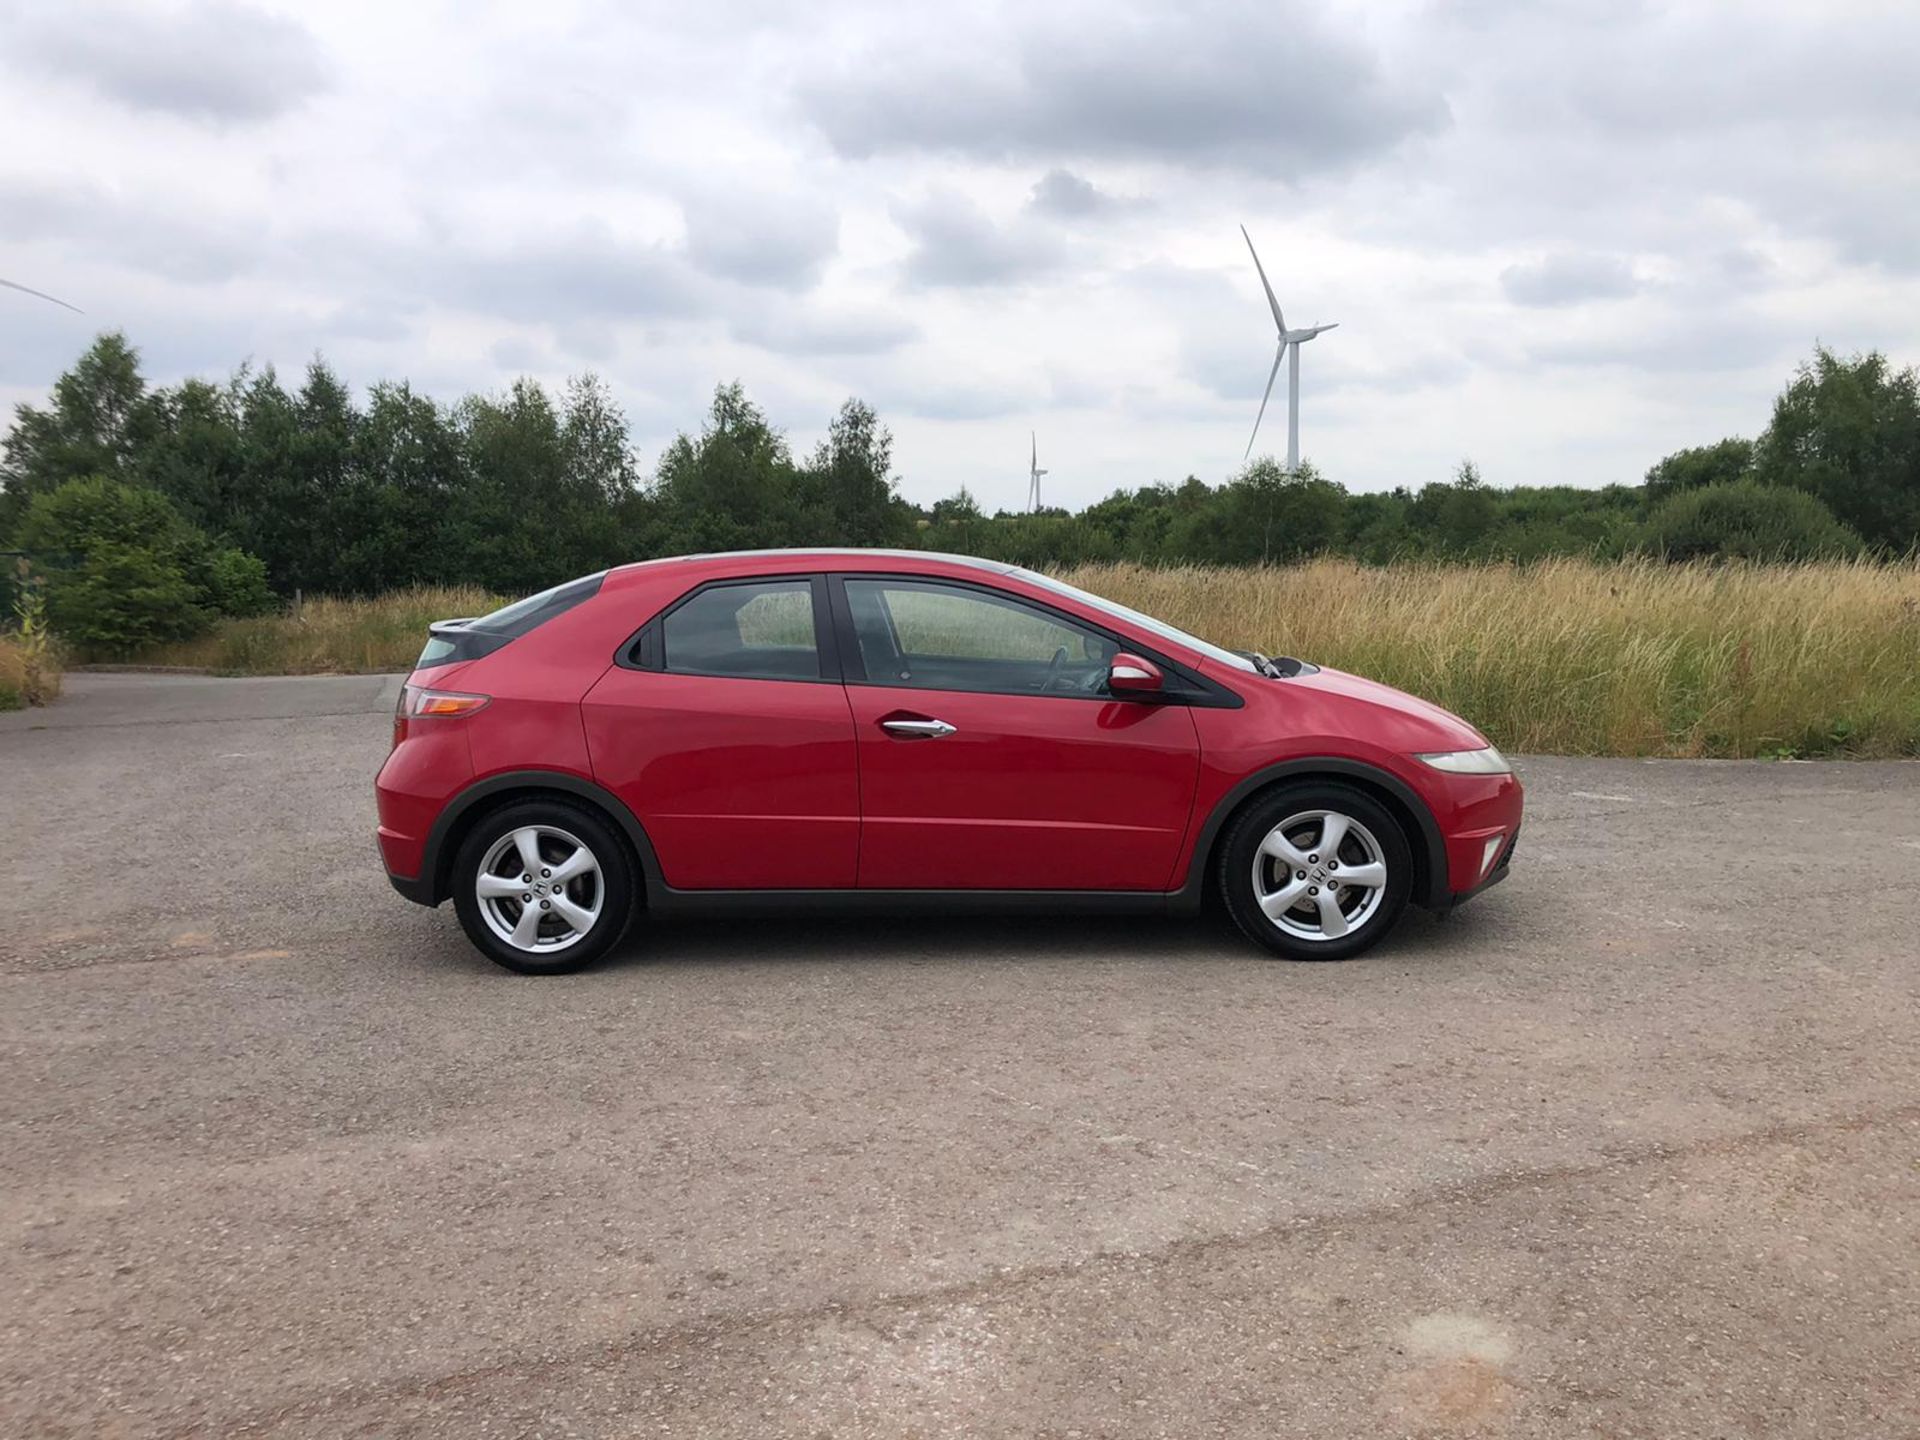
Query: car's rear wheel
pixel 1316 871
pixel 543 887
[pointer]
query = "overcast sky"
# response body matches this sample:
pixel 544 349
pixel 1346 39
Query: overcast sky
pixel 1560 238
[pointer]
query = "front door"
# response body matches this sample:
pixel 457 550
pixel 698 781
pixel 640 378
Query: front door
pixel 991 755
pixel 732 742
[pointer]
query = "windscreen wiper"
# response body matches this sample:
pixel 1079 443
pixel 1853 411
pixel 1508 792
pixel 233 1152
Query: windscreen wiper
pixel 1284 668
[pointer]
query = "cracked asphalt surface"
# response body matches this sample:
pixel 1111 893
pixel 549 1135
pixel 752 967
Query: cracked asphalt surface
pixel 1628 1147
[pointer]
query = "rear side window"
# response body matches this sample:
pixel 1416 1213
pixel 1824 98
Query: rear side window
pixel 761 630
pixel 473 638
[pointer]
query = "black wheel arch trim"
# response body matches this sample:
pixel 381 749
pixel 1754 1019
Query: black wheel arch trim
pixel 431 887
pixel 1433 895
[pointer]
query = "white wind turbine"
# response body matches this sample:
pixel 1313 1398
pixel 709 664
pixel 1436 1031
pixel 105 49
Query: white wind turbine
pixel 42 295
pixel 1290 343
pixel 1034 472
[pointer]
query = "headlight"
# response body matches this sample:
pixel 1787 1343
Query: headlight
pixel 1470 762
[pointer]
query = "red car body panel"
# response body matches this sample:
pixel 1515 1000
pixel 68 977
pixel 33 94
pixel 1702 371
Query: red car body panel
pixel 740 784
pixel 765 784
pixel 1332 715
pixel 1030 792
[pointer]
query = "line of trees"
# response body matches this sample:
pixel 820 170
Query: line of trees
pixel 217 497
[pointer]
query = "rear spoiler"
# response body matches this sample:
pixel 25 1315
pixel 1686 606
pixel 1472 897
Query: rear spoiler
pixel 449 641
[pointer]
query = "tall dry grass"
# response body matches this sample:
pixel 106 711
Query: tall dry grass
pixel 328 636
pixel 1564 656
pixel 1578 657
pixel 29 673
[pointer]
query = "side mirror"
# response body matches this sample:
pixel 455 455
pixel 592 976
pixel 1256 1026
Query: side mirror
pixel 1131 675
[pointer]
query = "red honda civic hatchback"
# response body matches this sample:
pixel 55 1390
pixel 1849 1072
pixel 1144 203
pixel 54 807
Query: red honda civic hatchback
pixel 870 730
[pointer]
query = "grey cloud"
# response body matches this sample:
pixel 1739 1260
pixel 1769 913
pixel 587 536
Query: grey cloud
pixel 589 276
pixel 144 236
pixel 956 243
pixel 360 320
pixel 822 330
pixel 953 400
pixel 1568 279
pixel 1271 89
pixel 215 61
pixel 588 338
pixel 516 353
pixel 1688 342
pixel 1638 128
pixel 776 240
pixel 1067 196
pixel 42 339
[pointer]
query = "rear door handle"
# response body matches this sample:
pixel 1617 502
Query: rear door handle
pixel 921 729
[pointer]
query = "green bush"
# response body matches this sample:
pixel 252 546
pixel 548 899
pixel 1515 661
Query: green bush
pixel 235 583
pixel 125 571
pixel 123 597
pixel 1746 521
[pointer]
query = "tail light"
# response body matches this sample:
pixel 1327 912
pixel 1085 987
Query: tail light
pixel 418 703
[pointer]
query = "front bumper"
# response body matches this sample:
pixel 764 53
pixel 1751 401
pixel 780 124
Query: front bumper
pixel 1501 869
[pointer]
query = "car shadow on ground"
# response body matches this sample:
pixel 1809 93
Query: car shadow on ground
pixel 936 938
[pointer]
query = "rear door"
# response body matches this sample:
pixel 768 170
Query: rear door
pixel 991 755
pixel 725 729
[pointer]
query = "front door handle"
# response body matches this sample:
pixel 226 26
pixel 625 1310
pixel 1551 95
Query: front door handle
pixel 920 729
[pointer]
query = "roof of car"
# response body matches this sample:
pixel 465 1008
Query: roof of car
pixel 851 554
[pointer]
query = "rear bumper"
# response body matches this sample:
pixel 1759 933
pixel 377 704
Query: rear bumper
pixel 420 891
pixel 421 774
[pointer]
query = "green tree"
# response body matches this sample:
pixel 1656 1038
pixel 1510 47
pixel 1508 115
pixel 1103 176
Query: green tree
pixel 194 455
pixel 1720 464
pixel 406 455
pixel 1458 517
pixel 1848 431
pixel 847 488
pixel 733 486
pixel 1746 521
pixel 513 519
pixel 609 515
pixel 324 456
pixel 98 418
pixel 959 508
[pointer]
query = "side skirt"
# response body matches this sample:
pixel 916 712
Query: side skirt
pixel 662 900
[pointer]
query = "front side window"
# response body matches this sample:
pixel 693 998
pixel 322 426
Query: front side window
pixel 760 630
pixel 1145 622
pixel 946 637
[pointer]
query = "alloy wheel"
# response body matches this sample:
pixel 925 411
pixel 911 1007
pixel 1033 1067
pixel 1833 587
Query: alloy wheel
pixel 539 889
pixel 1319 875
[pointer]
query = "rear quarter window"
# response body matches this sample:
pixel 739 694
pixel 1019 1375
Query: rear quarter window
pixel 482 636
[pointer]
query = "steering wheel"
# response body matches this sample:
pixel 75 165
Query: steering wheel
pixel 1053 669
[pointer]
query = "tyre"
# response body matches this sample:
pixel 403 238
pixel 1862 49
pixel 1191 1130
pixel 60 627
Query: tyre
pixel 1315 870
pixel 543 887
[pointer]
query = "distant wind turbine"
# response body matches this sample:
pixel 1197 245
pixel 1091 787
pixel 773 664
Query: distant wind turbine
pixel 1290 343
pixel 41 294
pixel 1034 472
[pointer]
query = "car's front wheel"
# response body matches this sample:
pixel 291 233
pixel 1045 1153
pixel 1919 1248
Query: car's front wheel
pixel 1316 871
pixel 543 887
